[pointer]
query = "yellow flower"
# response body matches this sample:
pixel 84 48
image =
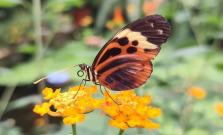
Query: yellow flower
pixel 197 92
pixel 131 8
pixel 130 110
pixel 70 105
pixel 110 25
pixel 118 15
pixel 73 115
pixel 39 122
pixel 135 120
pixel 86 21
pixel 149 7
pixel 149 124
pixel 119 121
pixel 219 108
pixel 118 18
pixel 43 109
pixel 48 92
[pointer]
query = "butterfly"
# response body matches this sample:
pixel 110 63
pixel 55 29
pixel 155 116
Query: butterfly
pixel 124 62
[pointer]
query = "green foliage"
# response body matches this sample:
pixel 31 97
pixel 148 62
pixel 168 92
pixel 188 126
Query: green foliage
pixel 61 5
pixel 191 57
pixel 7 128
pixel 103 13
pixel 15 28
pixel 9 3
pixel 27 49
pixel 27 72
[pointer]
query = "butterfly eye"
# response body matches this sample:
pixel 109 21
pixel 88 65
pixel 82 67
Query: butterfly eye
pixel 82 66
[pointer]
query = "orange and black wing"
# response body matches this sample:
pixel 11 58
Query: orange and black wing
pixel 124 62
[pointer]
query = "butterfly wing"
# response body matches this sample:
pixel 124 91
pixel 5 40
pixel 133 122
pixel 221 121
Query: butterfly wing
pixel 124 62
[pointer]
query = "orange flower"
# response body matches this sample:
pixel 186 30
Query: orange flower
pixel 119 121
pixel 118 15
pixel 43 109
pixel 48 92
pixel 131 8
pixel 118 18
pixel 130 110
pixel 219 108
pixel 149 7
pixel 72 115
pixel 110 25
pixel 39 122
pixel 197 92
pixel 68 105
pixel 86 21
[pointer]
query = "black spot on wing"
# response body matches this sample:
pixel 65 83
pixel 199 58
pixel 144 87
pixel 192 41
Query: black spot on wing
pixel 131 50
pixel 147 50
pixel 115 51
pixel 135 42
pixel 104 57
pixel 123 41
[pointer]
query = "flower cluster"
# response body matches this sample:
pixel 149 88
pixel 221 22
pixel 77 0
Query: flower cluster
pixel 118 18
pixel 126 109
pixel 197 92
pixel 130 110
pixel 71 105
pixel 219 108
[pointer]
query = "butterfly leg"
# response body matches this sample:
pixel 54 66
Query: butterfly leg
pixel 106 92
pixel 109 95
pixel 100 88
pixel 85 80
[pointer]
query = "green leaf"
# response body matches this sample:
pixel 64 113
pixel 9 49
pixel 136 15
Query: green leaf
pixel 9 3
pixel 197 131
pixel 21 102
pixel 61 5
pixel 28 49
pixel 6 128
pixel 105 9
pixel 189 51
pixel 219 66
pixel 137 4
pixel 69 55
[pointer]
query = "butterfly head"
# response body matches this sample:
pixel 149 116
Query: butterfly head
pixel 83 67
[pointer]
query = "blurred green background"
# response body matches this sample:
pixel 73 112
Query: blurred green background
pixel 39 37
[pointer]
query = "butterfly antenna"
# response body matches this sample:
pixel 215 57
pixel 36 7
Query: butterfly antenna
pixel 53 74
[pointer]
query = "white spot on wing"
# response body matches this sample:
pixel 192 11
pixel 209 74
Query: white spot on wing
pixel 160 32
pixel 132 35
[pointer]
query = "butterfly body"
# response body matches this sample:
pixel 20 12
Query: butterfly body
pixel 124 62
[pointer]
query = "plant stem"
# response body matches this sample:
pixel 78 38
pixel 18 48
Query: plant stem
pixel 38 39
pixel 36 11
pixel 121 132
pixel 74 129
pixel 5 98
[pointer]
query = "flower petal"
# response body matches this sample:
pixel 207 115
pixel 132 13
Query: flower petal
pixel 43 109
